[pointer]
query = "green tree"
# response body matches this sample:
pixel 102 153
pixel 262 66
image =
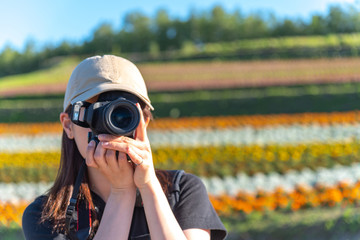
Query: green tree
pixel 317 26
pixel 8 63
pixel 136 34
pixel 288 27
pixel 254 26
pixel 102 40
pixel 217 24
pixel 164 31
pixel 339 21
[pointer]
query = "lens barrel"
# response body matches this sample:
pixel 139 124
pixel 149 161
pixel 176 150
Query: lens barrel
pixel 121 117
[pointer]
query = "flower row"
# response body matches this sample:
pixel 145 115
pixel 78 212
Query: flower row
pixel 24 174
pixel 293 134
pixel 255 121
pixel 24 191
pixel 244 203
pixel 301 198
pixel 229 160
pixel 11 213
pixel 228 185
pixel 287 181
pixel 30 160
pixel 203 161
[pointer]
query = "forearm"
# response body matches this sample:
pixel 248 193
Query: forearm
pixel 116 220
pixel 161 220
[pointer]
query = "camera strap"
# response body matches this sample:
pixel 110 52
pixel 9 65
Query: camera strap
pixel 71 214
pixel 174 197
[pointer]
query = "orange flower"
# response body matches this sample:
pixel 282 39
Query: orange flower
pixel 256 121
pixel 11 213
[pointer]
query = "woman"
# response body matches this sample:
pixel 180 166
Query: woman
pixel 121 195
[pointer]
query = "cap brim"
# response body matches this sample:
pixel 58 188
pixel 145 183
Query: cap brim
pixel 105 88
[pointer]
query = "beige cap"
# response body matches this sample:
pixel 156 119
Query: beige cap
pixel 100 74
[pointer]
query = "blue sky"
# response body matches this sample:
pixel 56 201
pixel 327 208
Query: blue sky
pixel 51 21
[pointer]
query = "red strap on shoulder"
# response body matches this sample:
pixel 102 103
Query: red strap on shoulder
pixel 90 221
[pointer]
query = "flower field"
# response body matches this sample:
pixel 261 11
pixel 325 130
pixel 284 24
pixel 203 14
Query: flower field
pixel 258 163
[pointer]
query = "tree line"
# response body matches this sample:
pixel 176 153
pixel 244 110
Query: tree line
pixel 143 34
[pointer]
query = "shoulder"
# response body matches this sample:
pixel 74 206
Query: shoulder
pixel 186 179
pixel 189 178
pixel 194 209
pixel 186 184
pixel 31 225
pixel 192 185
pixel 34 209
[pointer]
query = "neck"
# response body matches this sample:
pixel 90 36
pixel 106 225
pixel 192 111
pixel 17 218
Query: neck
pixel 98 183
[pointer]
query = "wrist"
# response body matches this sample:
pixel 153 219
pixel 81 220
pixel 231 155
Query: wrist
pixel 126 191
pixel 151 186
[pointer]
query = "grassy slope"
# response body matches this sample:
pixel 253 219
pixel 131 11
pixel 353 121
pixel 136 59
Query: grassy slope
pixel 195 75
pixel 56 74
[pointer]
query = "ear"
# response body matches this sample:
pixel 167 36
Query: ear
pixel 147 121
pixel 67 124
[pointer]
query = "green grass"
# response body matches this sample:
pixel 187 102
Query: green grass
pixel 59 73
pixel 11 233
pixel 45 101
pixel 318 223
pixel 331 40
pixel 242 101
pixel 332 45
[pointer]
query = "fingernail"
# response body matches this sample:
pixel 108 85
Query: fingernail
pixel 105 143
pixel 92 143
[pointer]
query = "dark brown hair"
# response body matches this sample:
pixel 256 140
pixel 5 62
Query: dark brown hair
pixel 59 194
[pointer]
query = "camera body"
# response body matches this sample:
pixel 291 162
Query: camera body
pixel 113 113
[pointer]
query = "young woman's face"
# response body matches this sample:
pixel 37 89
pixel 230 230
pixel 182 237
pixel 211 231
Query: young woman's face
pixel 80 134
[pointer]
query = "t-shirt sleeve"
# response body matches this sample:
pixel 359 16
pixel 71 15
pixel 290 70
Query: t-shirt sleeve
pixel 31 226
pixel 194 209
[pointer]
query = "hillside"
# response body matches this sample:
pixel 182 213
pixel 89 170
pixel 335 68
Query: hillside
pixel 198 75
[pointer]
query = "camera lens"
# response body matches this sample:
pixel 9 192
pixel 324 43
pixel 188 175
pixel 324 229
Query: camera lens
pixel 121 117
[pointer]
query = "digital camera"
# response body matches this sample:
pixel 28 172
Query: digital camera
pixel 114 113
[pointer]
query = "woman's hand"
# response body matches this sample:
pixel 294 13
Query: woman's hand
pixel 138 149
pixel 115 168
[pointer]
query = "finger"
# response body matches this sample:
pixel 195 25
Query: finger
pixel 99 156
pixel 140 132
pixel 122 139
pixel 117 146
pixel 126 147
pixel 123 160
pixel 108 137
pixel 90 155
pixel 122 157
pixel 110 157
pixel 134 153
pixel 136 157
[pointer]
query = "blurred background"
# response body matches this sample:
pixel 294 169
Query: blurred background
pixel 258 98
